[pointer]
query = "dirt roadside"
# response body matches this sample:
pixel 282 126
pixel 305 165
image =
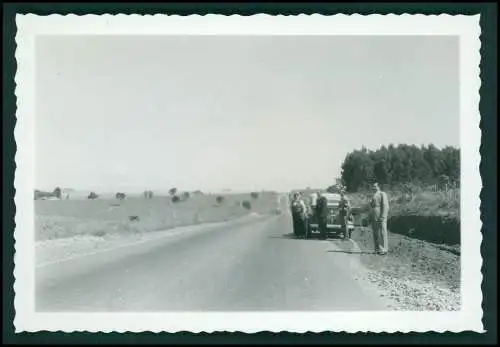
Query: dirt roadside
pixel 415 274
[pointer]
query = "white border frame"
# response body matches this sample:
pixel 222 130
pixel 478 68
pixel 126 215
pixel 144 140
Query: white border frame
pixel 466 27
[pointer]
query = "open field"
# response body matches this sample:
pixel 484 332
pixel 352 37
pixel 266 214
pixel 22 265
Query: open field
pixel 101 217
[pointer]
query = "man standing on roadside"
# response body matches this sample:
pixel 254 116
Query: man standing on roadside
pixel 380 209
pixel 321 214
pixel 345 214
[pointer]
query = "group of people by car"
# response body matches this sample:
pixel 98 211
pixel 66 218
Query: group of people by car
pixel 302 213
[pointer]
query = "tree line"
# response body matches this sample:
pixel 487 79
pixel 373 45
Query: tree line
pixel 399 165
pixel 174 193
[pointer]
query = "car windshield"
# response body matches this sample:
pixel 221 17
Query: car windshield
pixel 333 200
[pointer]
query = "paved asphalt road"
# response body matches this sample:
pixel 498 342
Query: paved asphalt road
pixel 251 265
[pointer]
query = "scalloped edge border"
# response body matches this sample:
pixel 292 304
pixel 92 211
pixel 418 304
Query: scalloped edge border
pixel 20 189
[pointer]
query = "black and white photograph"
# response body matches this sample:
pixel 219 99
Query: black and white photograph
pixel 274 173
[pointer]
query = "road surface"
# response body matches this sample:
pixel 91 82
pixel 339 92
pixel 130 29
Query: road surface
pixel 249 266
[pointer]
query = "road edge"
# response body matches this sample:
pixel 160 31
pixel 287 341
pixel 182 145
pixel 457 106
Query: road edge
pixel 122 241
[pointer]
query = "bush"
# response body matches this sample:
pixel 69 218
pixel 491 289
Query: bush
pixel 172 191
pixel 186 195
pixel 254 195
pixel 98 233
pixel 92 196
pixel 246 204
pixel 120 196
pixel 175 199
pixel 219 199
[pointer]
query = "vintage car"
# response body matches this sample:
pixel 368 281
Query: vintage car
pixel 334 225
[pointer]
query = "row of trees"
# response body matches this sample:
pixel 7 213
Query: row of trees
pixel 148 194
pixel 397 165
pixel 56 193
pixel 118 196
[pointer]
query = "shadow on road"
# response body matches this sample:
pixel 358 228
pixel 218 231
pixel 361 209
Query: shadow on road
pixel 291 236
pixel 330 237
pixel 349 252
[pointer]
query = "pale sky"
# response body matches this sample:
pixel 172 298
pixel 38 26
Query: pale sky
pixel 241 112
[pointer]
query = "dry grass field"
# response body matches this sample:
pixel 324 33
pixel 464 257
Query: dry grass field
pixel 432 216
pixel 67 218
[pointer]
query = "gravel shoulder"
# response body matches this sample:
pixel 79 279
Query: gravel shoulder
pixel 415 275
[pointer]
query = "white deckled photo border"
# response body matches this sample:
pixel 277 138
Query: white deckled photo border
pixel 467 28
